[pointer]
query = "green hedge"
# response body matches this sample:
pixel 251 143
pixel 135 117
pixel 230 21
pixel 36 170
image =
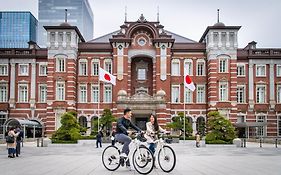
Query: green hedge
pixel 63 141
pixel 217 142
pixel 91 137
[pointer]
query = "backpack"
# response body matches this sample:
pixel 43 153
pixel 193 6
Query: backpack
pixel 10 139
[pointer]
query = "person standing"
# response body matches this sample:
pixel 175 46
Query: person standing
pixel 18 140
pixel 12 146
pixel 99 138
pixel 197 137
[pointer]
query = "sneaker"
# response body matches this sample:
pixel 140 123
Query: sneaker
pixel 128 163
pixel 122 161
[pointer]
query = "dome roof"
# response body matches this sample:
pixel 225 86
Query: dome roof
pixel 64 24
pixel 161 93
pixel 122 93
pixel 219 24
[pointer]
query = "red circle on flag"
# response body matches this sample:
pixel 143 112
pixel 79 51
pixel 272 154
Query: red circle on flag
pixel 188 79
pixel 107 77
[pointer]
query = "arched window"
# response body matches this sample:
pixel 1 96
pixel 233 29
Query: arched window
pixel 83 121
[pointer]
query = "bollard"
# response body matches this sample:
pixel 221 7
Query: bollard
pixel 37 142
pixel 244 143
pixel 260 143
pixel 41 141
pixel 276 143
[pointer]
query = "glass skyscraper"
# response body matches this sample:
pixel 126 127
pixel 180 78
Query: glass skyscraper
pixel 16 29
pixel 52 13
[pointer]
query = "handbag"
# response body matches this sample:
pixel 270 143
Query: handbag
pixel 10 139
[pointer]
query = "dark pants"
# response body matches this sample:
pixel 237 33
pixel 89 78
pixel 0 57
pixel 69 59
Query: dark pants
pixel 18 148
pixel 11 151
pixel 124 139
pixel 113 142
pixel 98 143
pixel 152 147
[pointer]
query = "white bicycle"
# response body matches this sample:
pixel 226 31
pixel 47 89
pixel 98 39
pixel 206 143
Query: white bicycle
pixel 140 155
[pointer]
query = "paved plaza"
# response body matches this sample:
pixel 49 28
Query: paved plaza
pixel 80 160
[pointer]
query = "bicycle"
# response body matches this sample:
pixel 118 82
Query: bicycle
pixel 165 155
pixel 140 155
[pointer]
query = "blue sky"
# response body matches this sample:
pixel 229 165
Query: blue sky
pixel 260 20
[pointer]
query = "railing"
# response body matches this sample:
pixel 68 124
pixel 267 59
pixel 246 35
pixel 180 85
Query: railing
pixel 15 52
pixel 265 52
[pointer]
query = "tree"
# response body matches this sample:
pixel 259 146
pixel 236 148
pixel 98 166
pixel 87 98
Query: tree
pixel 178 124
pixel 220 129
pixel 105 121
pixel 70 129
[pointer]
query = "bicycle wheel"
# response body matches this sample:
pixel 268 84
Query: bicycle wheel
pixel 143 160
pixel 111 158
pixel 167 159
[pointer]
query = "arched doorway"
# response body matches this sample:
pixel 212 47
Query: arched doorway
pixel 142 75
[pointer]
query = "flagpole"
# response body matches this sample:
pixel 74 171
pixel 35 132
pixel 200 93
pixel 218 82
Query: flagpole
pixel 99 106
pixel 184 96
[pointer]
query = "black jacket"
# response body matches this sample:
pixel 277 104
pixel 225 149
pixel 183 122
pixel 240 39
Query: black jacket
pixel 123 124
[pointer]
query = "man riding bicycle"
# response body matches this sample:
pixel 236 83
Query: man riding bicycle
pixel 123 124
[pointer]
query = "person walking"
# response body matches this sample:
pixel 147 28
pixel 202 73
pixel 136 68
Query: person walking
pixel 18 140
pixel 197 137
pixel 11 142
pixel 99 138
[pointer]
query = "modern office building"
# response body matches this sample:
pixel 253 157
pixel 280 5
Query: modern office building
pixel 17 29
pixel 52 13
pixel 243 84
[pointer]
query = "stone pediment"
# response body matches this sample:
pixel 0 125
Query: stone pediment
pixel 141 96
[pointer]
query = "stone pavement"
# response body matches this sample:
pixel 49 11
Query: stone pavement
pixel 80 160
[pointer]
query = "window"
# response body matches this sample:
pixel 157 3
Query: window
pixel 58 115
pixel 260 94
pixel 261 129
pixel 188 67
pixel 42 70
pixel 60 38
pixel 53 37
pixel 278 70
pixel 200 68
pixel 175 67
pixel 3 69
pixel 175 94
pixel 23 69
pixel 260 70
pixel 43 93
pixel 241 70
pixel 83 67
pixel 240 94
pixel 141 74
pixel 108 66
pixel 278 93
pixel 23 93
pixel 3 119
pixel 223 66
pixel 107 94
pixel 200 94
pixel 68 37
pixel 223 91
pixel 60 64
pixel 279 126
pixel 60 94
pixel 240 119
pixel 95 94
pixel 188 95
pixel 83 94
pixel 3 93
pixel 95 68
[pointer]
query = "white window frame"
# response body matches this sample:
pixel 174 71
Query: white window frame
pixel 41 65
pixel 176 72
pixel 107 62
pixel 261 129
pixel 257 72
pixel 199 62
pixel 257 87
pixel 223 65
pixel 83 71
pixel 244 94
pixel 188 95
pixel 278 70
pixel 173 95
pixel 58 95
pixel 145 74
pixel 223 91
pixel 188 62
pixel 23 73
pixel 42 99
pixel 243 66
pixel 83 93
pixel 95 61
pixel 3 93
pixel 22 98
pixel 203 93
pixel 278 93
pixel 4 69
pixel 92 93
pixel 105 100
pixel 58 64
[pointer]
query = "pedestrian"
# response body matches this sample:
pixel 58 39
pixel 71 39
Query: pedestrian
pixel 112 138
pixel 18 140
pixel 11 142
pixel 99 138
pixel 197 138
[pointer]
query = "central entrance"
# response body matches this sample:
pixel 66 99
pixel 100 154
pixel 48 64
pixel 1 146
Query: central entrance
pixel 140 120
pixel 142 75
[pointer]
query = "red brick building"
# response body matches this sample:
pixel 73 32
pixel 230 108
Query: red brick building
pixel 244 84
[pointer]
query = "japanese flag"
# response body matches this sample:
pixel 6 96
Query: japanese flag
pixel 188 82
pixel 106 76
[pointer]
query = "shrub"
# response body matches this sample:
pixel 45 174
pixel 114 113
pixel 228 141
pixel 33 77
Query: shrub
pixel 178 124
